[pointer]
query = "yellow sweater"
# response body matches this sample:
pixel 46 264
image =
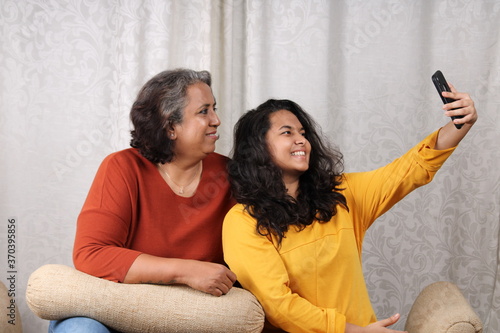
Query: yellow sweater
pixel 314 282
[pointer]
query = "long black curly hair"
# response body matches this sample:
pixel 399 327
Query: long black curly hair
pixel 257 182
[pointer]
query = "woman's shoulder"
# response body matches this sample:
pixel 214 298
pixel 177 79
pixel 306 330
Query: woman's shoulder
pixel 127 154
pixel 237 215
pixel 241 212
pixel 238 208
pixel 127 159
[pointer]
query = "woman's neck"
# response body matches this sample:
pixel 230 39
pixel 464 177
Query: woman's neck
pixel 182 171
pixel 183 178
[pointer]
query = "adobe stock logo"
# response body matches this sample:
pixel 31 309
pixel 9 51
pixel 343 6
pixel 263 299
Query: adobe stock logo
pixel 371 30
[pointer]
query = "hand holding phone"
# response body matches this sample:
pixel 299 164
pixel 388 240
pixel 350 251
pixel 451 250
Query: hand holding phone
pixel 442 85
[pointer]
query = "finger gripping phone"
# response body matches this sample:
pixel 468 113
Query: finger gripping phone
pixel 441 85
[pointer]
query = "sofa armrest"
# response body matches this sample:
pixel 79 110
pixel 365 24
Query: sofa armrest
pixel 57 292
pixel 441 308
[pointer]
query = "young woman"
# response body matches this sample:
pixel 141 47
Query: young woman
pixel 154 212
pixel 295 238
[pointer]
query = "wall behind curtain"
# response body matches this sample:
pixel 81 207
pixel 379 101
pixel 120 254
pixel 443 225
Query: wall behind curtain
pixel 70 70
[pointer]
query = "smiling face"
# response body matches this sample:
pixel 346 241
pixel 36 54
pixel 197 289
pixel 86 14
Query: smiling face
pixel 288 146
pixel 195 136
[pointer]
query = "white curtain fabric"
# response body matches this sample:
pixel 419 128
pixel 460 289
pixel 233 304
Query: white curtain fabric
pixel 70 70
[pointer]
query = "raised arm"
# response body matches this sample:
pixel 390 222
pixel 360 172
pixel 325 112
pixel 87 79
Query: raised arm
pixel 450 136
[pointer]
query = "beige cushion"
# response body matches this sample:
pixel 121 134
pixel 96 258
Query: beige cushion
pixel 10 321
pixel 58 292
pixel 441 308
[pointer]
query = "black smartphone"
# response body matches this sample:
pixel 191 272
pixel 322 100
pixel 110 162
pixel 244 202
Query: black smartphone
pixel 442 85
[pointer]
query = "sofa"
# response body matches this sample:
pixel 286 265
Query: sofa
pixel 57 291
pixel 441 308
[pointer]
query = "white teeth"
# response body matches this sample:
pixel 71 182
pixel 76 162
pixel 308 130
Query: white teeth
pixel 299 153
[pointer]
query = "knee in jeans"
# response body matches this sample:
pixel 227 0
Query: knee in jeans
pixel 78 325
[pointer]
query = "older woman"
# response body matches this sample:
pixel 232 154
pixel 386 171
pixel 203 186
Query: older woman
pixel 295 238
pixel 154 211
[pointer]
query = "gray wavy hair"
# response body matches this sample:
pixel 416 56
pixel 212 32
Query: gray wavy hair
pixel 159 106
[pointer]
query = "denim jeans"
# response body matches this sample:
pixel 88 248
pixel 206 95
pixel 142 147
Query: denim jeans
pixel 78 325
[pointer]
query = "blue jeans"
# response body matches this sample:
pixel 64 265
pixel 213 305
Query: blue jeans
pixel 78 325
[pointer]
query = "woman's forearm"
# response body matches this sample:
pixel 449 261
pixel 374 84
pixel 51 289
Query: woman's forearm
pixel 449 136
pixel 212 278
